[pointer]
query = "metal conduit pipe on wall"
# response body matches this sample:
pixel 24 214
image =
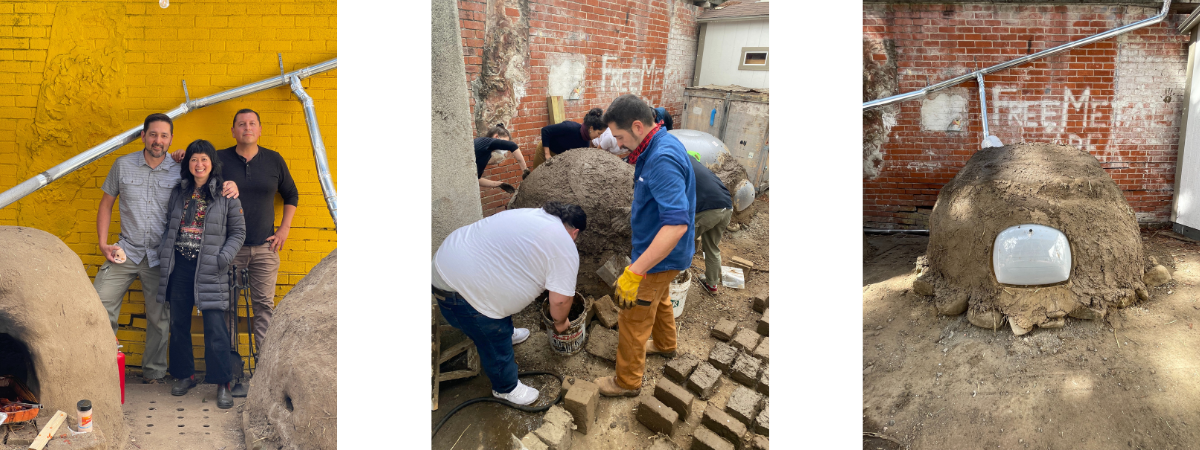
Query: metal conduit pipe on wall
pixel 314 134
pixel 1024 59
pixel 982 103
pixel 92 154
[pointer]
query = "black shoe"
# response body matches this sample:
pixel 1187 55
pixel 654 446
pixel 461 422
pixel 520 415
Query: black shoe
pixel 182 385
pixel 224 397
pixel 240 390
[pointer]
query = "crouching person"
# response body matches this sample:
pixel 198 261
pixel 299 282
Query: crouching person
pixel 483 273
pixel 204 232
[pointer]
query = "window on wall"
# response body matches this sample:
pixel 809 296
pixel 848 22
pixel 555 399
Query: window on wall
pixel 754 58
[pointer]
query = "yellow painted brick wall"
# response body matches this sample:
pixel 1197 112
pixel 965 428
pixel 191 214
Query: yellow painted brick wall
pixel 74 74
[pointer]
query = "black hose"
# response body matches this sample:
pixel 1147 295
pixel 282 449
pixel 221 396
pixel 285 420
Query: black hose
pixel 505 402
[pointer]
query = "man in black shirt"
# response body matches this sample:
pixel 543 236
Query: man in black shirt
pixel 714 207
pixel 260 173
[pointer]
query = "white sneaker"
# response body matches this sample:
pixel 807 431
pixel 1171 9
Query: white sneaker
pixel 522 395
pixel 520 335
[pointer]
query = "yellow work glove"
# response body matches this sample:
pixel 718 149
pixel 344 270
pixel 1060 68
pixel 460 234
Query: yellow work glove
pixel 627 288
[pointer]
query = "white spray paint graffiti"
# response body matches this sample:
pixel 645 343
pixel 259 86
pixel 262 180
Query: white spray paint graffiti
pixel 627 80
pixel 1093 120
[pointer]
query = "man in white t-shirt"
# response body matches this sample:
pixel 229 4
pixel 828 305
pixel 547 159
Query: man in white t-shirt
pixel 484 273
pixel 609 143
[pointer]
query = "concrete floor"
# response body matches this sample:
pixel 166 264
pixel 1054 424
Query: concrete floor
pixel 158 420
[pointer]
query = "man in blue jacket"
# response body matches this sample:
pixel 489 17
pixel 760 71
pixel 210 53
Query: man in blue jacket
pixel 663 222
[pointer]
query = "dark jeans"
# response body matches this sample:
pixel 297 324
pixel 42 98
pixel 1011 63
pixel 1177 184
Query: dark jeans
pixel 492 337
pixel 181 295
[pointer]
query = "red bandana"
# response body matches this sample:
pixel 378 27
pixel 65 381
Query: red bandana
pixel 633 156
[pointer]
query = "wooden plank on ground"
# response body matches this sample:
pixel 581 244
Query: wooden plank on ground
pixel 745 263
pixel 455 350
pixel 48 431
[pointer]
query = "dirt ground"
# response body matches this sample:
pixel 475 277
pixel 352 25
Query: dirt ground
pixel 933 381
pixel 490 425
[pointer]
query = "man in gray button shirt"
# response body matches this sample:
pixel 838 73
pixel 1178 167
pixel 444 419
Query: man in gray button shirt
pixel 144 181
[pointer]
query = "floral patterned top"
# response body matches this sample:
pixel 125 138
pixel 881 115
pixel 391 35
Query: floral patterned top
pixel 191 226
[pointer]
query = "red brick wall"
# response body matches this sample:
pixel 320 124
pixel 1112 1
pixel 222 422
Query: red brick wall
pixel 660 34
pixel 1120 99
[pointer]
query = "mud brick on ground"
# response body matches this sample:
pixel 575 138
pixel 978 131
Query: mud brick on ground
pixel 656 416
pixel 763 351
pixel 760 303
pixel 605 311
pixel 760 443
pixel 722 356
pixel 706 439
pixel 556 428
pixel 763 384
pixel 602 342
pixel 724 425
pixel 764 323
pixel 680 368
pixel 581 401
pixel 762 423
pixel 704 380
pixel 745 370
pixel 674 396
pixel 724 329
pixel 568 383
pixel 531 442
pixel 745 340
pixel 743 404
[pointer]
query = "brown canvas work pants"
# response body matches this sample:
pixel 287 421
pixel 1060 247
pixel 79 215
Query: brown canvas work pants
pixel 637 324
pixel 263 265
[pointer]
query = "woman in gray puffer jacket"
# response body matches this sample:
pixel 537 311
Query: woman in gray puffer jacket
pixel 204 232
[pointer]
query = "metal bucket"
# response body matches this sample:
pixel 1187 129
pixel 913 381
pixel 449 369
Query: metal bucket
pixel 679 291
pixel 571 341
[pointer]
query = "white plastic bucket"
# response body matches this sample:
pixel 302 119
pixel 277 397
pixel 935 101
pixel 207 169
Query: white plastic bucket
pixel 679 292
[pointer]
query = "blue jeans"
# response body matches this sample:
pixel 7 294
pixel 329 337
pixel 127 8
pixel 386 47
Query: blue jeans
pixel 492 337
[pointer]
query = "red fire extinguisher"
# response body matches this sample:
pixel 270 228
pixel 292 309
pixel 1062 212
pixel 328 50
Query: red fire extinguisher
pixel 121 369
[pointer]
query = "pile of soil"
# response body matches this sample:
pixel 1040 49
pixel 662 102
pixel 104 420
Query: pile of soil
pixel 48 303
pixel 293 395
pixel 1052 185
pixel 598 182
